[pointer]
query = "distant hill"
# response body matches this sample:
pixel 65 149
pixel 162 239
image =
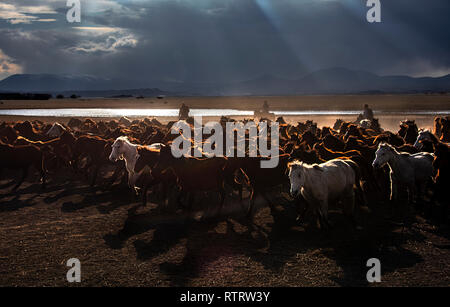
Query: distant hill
pixel 326 81
pixel 86 86
pixel 341 81
pixel 61 83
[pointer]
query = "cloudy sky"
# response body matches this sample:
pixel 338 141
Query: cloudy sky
pixel 223 40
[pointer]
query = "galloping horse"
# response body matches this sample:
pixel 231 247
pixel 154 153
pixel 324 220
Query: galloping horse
pixel 123 149
pixel 319 184
pixel 411 170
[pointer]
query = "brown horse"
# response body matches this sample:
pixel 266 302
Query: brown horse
pixel 195 175
pixel 445 129
pixel 22 157
pixel 152 176
pixel 27 130
pixel 408 131
pixel 93 147
pixel 441 165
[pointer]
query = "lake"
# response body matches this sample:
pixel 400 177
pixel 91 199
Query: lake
pixel 113 112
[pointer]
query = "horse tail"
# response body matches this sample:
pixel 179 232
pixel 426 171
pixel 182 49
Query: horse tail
pixel 355 168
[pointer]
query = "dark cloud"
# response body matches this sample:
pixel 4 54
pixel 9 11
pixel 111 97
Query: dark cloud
pixel 219 40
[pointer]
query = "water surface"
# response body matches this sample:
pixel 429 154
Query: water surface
pixel 104 112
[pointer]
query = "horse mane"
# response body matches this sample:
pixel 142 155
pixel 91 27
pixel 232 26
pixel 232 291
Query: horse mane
pixel 390 147
pixel 125 139
pixel 305 165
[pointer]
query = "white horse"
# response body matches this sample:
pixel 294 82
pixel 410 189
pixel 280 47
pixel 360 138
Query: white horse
pixel 410 170
pixel 56 130
pixel 123 149
pixel 319 184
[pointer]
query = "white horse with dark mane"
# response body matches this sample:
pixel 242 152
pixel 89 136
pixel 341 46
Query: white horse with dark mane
pixel 123 149
pixel 410 170
pixel 319 184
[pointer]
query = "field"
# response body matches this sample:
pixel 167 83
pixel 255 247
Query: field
pixel 122 244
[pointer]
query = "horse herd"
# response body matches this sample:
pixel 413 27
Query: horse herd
pixel 351 163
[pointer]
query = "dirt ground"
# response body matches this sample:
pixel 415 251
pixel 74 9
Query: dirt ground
pixel 122 244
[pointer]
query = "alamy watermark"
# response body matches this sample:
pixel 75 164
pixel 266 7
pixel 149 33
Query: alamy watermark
pixel 214 146
pixel 374 13
pixel 74 13
pixel 74 273
pixel 374 273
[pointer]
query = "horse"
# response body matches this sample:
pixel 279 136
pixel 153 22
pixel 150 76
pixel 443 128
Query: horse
pixel 410 170
pixel 195 174
pixel 94 147
pixel 425 135
pixel 8 134
pixel 123 149
pixel 148 175
pixel 337 125
pixel 445 129
pixel 320 184
pixel 22 157
pixel 441 174
pixel 74 123
pixel 261 179
pixel 408 131
pixel 390 138
pixel 27 130
pixel 333 142
pixel 56 130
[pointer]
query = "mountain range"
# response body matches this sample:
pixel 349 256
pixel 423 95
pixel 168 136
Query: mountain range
pixel 327 81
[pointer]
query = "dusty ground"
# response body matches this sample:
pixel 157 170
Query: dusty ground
pixel 119 245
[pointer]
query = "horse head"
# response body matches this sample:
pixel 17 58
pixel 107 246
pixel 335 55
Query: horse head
pixel 296 177
pixel 118 149
pixel 383 155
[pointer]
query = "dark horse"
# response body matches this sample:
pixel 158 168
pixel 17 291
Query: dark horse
pixel 194 174
pixel 22 157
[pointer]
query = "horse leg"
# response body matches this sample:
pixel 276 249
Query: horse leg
pixel 144 194
pixel 94 176
pixel 24 175
pixel 302 207
pixel 323 215
pixel 41 168
pixel 394 191
pixel 116 173
pixel 349 206
pixel 251 205
pixel 268 201
pixel 222 200
pixel 43 177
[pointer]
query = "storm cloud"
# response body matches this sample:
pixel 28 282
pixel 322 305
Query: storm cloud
pixel 223 40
